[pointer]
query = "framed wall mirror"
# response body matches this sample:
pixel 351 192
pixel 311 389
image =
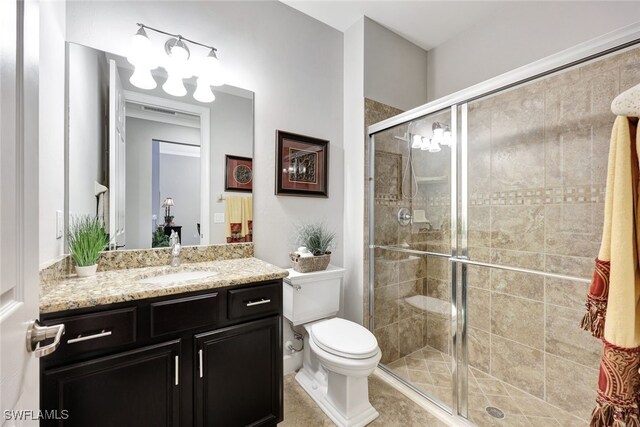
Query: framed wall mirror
pixel 147 163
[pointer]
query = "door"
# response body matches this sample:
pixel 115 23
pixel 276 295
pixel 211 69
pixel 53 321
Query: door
pixel 135 388
pixel 117 159
pixel 238 372
pixel 18 204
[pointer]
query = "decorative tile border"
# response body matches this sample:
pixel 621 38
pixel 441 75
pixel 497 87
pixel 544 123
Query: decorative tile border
pixel 530 196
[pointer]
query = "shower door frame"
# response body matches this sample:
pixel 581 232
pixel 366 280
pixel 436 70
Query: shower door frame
pixel 458 259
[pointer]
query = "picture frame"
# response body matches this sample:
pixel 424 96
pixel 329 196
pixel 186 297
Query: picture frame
pixel 238 174
pixel 302 165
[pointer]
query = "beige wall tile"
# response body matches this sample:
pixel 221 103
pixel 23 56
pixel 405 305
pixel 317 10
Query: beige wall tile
pixel 386 308
pixel 573 229
pixel 519 228
pixel 518 365
pixel 386 272
pixel 565 339
pixel 479 308
pixel 567 293
pixel 411 338
pixel 479 350
pixel 438 335
pixel 518 284
pixel 389 342
pixel 518 319
pixel 570 386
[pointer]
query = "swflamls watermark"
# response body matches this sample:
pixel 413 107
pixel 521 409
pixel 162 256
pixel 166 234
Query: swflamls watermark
pixel 31 415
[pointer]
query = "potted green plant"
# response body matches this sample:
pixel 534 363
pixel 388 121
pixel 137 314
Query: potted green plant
pixel 87 239
pixel 159 239
pixel 318 240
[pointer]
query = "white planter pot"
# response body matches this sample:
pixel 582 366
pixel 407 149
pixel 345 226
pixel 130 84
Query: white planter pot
pixel 87 271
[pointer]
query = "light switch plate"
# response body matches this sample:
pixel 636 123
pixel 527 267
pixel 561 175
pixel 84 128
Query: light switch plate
pixel 59 224
pixel 218 218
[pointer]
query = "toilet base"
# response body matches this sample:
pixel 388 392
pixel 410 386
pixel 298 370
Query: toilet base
pixel 318 393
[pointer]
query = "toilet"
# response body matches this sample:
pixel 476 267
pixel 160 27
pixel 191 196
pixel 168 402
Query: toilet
pixel 339 355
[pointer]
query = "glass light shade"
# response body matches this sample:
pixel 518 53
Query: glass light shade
pixel 434 147
pixel 416 141
pixel 142 78
pixel 203 91
pixel 426 143
pixel 179 52
pixel 174 85
pixel 209 65
pixel 140 51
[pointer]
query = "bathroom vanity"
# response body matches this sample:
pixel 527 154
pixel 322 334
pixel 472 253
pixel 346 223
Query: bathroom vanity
pixel 204 352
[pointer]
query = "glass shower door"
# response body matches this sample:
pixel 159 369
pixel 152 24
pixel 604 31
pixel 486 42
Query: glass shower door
pixel 413 228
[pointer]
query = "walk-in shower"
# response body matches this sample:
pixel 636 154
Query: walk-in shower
pixel 481 249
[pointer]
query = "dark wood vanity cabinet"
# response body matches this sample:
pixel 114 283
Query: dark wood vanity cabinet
pixel 209 358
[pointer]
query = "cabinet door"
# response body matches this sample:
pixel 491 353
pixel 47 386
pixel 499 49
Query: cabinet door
pixel 134 388
pixel 239 375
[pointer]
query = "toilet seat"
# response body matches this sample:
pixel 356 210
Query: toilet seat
pixel 344 338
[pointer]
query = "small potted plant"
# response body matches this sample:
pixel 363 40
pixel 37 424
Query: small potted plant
pixel 87 239
pixel 318 240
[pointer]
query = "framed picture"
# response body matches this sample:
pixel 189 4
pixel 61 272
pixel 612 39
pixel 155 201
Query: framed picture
pixel 302 165
pixel 238 174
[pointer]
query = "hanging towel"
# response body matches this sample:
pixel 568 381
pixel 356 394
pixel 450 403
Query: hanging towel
pixel 233 214
pixel 247 218
pixel 612 304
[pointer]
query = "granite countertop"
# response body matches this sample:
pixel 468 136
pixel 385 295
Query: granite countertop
pixel 110 287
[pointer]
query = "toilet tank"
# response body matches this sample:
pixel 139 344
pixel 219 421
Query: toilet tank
pixel 312 296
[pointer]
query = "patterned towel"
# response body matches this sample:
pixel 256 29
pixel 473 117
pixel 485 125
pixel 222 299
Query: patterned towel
pixel 612 313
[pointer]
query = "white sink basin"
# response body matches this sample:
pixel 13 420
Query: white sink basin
pixel 177 277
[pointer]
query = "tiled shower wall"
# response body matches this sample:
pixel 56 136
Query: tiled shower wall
pixel 537 172
pixel 537 175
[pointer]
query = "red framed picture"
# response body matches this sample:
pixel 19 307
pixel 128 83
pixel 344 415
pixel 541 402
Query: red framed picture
pixel 302 165
pixel 239 174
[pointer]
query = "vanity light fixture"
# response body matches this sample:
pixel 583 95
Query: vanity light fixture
pixel 177 61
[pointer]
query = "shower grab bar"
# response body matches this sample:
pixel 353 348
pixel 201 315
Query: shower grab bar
pixel 412 251
pixel 519 270
pixel 486 264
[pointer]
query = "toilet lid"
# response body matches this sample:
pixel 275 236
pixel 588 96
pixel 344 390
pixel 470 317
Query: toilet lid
pixel 344 338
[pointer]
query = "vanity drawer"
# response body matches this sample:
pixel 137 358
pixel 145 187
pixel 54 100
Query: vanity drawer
pixel 96 331
pixel 182 314
pixel 254 301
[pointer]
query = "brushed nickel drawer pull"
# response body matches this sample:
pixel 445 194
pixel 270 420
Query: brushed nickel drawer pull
pixel 200 361
pixel 262 301
pixel 80 338
pixel 177 367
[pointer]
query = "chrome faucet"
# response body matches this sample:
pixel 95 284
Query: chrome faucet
pixel 174 241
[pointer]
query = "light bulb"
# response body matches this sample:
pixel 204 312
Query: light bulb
pixel 140 51
pixel 203 91
pixel 426 143
pixel 446 138
pixel 179 52
pixel 142 78
pixel 438 134
pixel 174 85
pixel 416 141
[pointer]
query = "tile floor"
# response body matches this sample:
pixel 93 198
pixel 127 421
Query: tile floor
pixel 429 369
pixel 396 410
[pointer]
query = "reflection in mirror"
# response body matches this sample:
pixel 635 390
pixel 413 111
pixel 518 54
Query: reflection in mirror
pixel 148 163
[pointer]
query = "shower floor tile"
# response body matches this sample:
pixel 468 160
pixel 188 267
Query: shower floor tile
pixel 430 370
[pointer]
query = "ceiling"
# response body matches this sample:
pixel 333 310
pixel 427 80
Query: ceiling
pixel 424 23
